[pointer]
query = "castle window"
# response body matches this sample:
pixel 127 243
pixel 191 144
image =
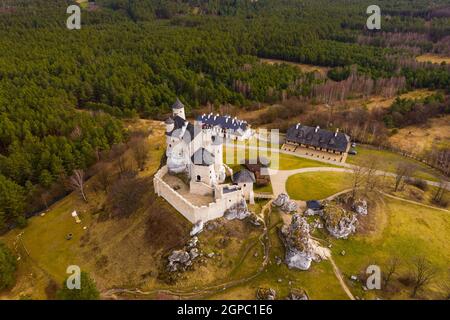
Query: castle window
pixel 199 178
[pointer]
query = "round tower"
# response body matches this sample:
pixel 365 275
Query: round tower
pixel 178 109
pixel 170 125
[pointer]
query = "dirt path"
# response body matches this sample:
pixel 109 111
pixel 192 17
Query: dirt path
pixel 414 202
pixel 338 274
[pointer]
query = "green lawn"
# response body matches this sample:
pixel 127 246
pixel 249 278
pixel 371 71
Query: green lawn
pixel 290 162
pixel 278 160
pixel 390 160
pixel 317 185
pixel 408 231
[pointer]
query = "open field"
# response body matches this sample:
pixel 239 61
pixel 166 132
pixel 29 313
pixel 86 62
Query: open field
pixel 303 67
pixel 381 102
pixel 317 185
pixel 233 158
pixel 411 231
pixel 388 161
pixel 319 282
pixel 434 134
pixel 433 58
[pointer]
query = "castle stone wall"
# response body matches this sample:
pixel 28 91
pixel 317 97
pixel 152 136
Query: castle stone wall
pixel 193 213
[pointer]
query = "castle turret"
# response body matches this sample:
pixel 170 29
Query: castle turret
pixel 178 109
pixel 170 125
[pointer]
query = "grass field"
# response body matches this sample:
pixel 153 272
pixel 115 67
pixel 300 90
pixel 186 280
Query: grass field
pixel 319 281
pixel 278 160
pixel 433 58
pixel 317 185
pixel 388 161
pixel 410 231
pixel 303 67
pixel 417 139
pixel 374 102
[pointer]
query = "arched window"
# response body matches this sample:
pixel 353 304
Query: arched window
pixel 199 178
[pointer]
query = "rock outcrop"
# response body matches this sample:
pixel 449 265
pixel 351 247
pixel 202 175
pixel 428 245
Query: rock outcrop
pixel 181 260
pixel 266 294
pixel 297 295
pixel 284 203
pixel 339 222
pixel 360 207
pixel 238 211
pixel 197 228
pixel 296 238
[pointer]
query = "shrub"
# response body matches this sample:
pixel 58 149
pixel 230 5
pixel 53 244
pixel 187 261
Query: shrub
pixel 87 291
pixel 419 183
pixel 8 267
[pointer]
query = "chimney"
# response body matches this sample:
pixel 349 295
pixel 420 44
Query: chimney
pixel 336 133
pixel 317 129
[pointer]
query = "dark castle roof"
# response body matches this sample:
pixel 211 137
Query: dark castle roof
pixel 178 104
pixel 202 157
pixel 170 121
pixel 178 125
pixel 225 122
pixel 243 176
pixel 317 137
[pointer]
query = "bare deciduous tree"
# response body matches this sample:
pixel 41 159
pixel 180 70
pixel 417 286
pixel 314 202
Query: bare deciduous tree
pixel 358 174
pixel 423 274
pixel 372 180
pixel 122 164
pixel 140 149
pixel 440 192
pixel 77 183
pixel 104 179
pixel 391 269
pixel 403 171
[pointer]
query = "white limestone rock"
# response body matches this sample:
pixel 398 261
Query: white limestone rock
pixel 360 207
pixel 297 295
pixel 296 238
pixel 192 243
pixel 290 206
pixel 280 200
pixel 198 227
pixel 311 212
pixel 285 204
pixel 266 294
pixel 194 253
pixel 180 256
pixel 238 211
pixel 339 222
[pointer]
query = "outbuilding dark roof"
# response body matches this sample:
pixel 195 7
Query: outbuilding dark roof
pixel 313 205
pixel 178 104
pixel 243 176
pixel 202 157
pixel 224 122
pixel 317 137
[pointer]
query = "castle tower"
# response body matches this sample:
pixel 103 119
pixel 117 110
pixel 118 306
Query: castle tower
pixel 170 125
pixel 178 109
